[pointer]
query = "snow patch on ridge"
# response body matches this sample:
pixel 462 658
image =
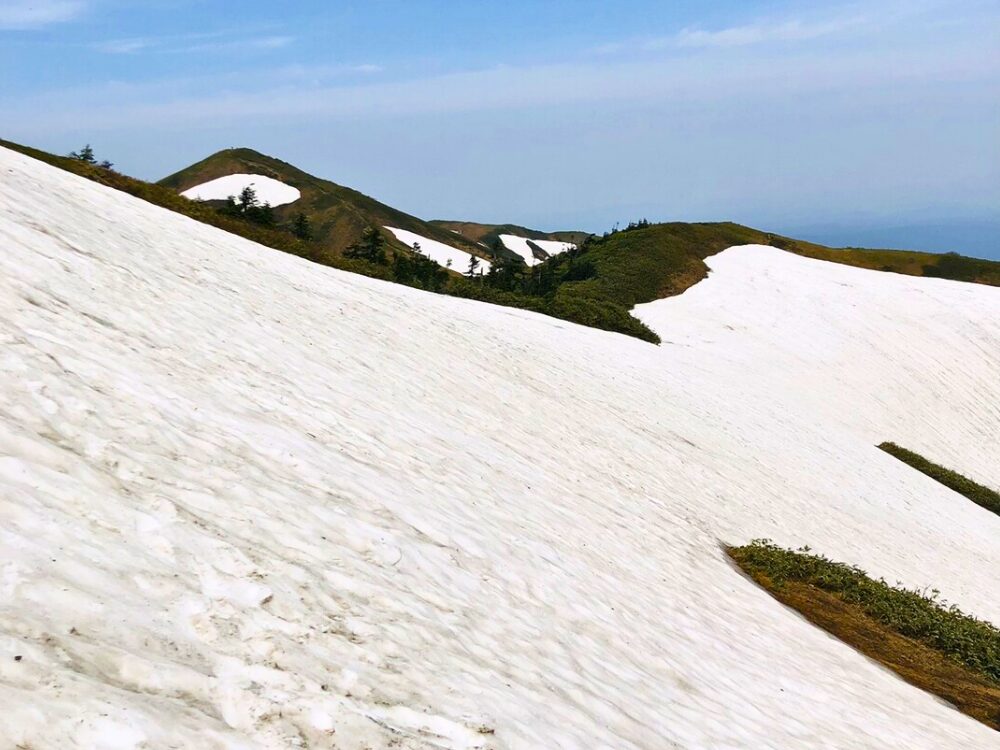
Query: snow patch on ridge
pixel 268 189
pixel 440 253
pixel 520 246
pixel 554 247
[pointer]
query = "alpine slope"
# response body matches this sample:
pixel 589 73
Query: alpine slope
pixel 251 502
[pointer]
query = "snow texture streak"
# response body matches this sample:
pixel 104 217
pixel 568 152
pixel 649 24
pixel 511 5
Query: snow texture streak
pixel 251 502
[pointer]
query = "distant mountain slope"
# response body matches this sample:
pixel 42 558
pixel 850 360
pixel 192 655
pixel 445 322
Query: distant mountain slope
pixel 487 234
pixel 338 215
pixel 595 285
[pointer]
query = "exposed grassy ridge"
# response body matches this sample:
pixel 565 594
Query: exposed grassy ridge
pixel 910 263
pixel 977 493
pixel 933 646
pixel 661 260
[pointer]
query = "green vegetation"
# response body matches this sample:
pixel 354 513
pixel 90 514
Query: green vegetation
pixel 370 248
pixel 977 493
pixel 934 646
pixel 301 227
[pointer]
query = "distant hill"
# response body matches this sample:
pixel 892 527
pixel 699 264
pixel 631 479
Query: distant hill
pixel 595 284
pixel 338 215
pixel 487 234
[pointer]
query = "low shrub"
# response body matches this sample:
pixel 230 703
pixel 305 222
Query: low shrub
pixel 975 492
pixel 918 615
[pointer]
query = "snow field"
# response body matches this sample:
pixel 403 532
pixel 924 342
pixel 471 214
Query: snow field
pixel 268 189
pixel 251 502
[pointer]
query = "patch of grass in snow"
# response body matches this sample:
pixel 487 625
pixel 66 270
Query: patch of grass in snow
pixel 919 637
pixel 975 492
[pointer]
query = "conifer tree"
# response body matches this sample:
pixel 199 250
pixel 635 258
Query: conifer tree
pixel 247 198
pixel 85 154
pixel 371 247
pixel 301 227
pixel 473 267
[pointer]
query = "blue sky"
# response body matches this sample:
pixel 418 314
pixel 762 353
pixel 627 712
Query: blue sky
pixel 791 116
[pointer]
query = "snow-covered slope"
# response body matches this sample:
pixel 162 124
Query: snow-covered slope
pixel 268 189
pixel 440 253
pixel 520 246
pixel 251 502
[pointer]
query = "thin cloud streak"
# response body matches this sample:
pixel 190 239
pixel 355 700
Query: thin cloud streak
pixel 123 46
pixel 183 45
pixel 844 21
pixel 19 15
pixel 787 31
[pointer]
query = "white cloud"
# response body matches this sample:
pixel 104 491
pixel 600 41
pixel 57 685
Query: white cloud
pixel 238 45
pixel 123 46
pixel 183 44
pixel 764 32
pixel 33 14
pixel 785 31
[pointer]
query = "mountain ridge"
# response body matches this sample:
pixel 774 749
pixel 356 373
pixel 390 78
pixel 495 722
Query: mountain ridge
pixel 339 215
pixel 595 285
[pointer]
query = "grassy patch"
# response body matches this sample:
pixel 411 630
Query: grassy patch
pixel 929 644
pixel 977 493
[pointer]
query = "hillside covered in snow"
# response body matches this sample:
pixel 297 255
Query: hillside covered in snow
pixel 248 501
